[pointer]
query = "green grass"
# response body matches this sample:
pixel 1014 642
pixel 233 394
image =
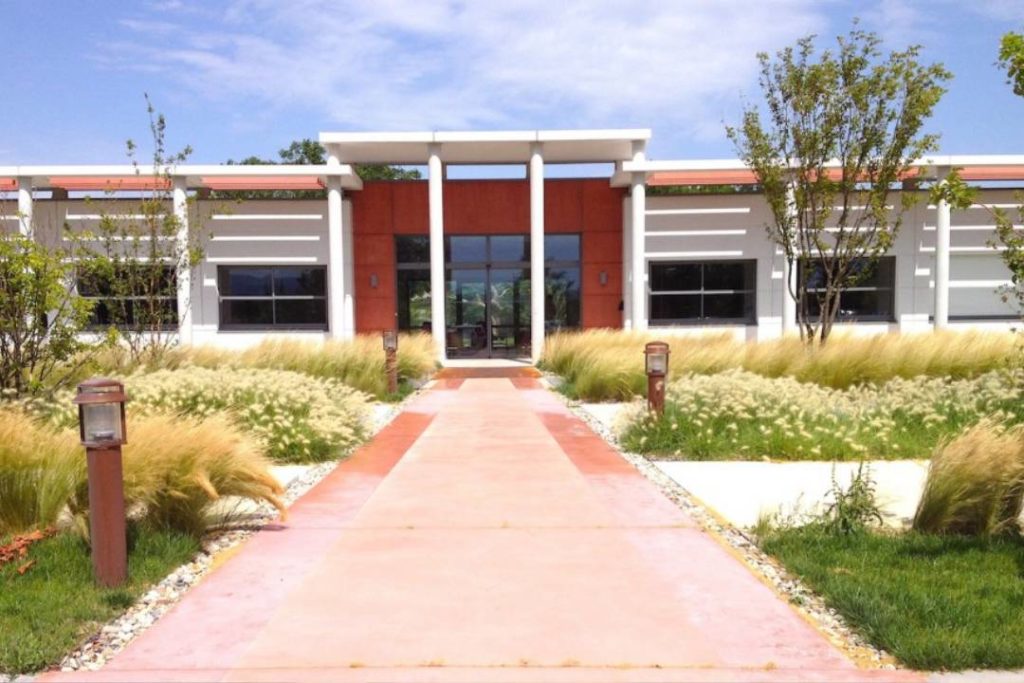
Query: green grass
pixel 46 612
pixel 934 602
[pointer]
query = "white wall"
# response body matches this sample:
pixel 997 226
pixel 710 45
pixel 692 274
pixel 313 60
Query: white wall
pixel 720 227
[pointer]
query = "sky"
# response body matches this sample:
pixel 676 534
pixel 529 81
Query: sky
pixel 236 78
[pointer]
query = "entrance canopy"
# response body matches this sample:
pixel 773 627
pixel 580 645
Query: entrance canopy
pixel 486 147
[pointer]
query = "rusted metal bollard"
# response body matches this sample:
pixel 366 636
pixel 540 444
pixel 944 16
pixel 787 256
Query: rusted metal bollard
pixel 103 431
pixel 391 359
pixel 656 364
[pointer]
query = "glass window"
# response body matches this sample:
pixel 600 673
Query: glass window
pixel 412 249
pixel 562 298
pixel 136 295
pixel 703 292
pixel 871 296
pixel 510 248
pixel 414 299
pixel 466 249
pixel 269 297
pixel 562 248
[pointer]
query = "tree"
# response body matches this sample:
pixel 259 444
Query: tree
pixel 840 131
pixel 130 265
pixel 41 317
pixel 1011 59
pixel 310 152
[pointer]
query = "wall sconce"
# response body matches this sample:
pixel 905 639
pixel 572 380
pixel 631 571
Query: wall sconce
pixel 373 280
pixel 602 277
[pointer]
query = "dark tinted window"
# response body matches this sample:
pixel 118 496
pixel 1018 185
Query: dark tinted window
pixel 467 249
pixel 412 249
pixel 268 297
pixel 561 248
pixel 703 292
pixel 870 296
pixel 509 248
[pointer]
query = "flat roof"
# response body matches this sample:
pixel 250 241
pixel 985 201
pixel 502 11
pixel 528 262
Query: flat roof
pixel 210 176
pixel 485 147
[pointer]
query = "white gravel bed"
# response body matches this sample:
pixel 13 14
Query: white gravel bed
pixel 147 610
pixel 805 601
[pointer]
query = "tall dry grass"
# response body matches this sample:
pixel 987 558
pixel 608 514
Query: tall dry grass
pixel 175 472
pixel 177 469
pixel 359 363
pixel 608 364
pixel 975 483
pixel 40 470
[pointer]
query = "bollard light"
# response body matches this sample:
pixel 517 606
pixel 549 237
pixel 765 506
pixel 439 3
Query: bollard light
pixel 103 431
pixel 391 359
pixel 656 355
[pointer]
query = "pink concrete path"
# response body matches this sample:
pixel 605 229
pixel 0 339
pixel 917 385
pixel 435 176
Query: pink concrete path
pixel 486 535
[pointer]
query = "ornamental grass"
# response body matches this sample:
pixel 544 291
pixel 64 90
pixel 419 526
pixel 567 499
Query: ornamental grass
pixel 975 483
pixel 738 415
pixel 175 473
pixel 602 365
pixel 294 417
pixel 358 363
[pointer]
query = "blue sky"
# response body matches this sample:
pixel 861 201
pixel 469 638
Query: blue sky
pixel 244 77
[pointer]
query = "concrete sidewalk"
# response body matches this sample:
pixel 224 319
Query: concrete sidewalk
pixel 485 535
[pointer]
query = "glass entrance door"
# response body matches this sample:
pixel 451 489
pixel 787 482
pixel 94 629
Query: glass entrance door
pixel 509 312
pixel 466 303
pixel 488 312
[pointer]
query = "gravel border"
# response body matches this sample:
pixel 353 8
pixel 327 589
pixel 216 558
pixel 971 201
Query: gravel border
pixel 115 635
pixel 807 603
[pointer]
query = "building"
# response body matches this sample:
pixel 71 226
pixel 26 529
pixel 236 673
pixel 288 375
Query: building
pixel 488 266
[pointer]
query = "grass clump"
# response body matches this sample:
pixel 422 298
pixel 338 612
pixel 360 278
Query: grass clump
pixel 40 470
pixel 47 611
pixel 975 483
pixel 294 417
pixel 934 602
pixel 176 472
pixel 601 365
pixel 358 363
pixel 741 415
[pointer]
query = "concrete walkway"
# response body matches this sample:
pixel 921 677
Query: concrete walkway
pixel 485 535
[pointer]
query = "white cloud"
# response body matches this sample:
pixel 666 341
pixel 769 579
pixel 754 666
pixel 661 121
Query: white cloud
pixel 408 64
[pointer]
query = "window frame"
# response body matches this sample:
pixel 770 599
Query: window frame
pixel 702 293
pixel 891 317
pixel 273 298
pixel 172 299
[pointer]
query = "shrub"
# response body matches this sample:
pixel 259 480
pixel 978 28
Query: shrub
pixel 975 483
pixel 40 469
pixel 296 418
pixel 608 365
pixel 740 415
pixel 359 363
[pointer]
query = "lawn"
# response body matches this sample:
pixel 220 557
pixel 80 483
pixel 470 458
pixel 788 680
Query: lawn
pixel 934 602
pixel 47 611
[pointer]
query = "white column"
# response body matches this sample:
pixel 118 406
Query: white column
pixel 25 206
pixel 335 256
pixel 179 201
pixel 537 288
pixel 436 198
pixel 638 248
pixel 348 247
pixel 942 265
